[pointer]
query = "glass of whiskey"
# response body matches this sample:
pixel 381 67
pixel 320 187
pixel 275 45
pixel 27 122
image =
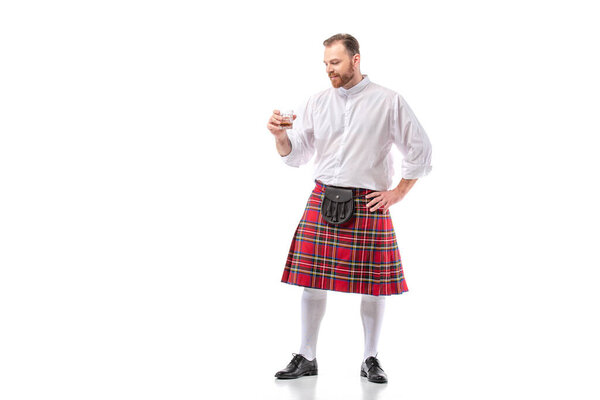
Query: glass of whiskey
pixel 288 119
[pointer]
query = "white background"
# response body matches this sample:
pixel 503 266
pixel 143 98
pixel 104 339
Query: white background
pixel 145 215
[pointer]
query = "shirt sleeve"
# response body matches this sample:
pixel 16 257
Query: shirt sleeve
pixel 301 137
pixel 411 140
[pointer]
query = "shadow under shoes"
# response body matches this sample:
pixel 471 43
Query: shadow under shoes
pixel 299 366
pixel 371 370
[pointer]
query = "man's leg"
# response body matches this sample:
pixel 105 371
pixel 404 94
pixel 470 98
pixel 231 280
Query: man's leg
pixel 314 302
pixel 371 313
pixel 312 311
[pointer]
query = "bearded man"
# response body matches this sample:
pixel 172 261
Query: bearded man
pixel 345 240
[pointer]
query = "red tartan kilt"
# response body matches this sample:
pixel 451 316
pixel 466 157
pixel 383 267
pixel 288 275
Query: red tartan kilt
pixel 360 256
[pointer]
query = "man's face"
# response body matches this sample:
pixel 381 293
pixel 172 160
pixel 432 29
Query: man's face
pixel 339 65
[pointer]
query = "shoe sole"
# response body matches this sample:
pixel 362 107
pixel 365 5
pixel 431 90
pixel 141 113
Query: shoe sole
pixel 307 373
pixel 364 375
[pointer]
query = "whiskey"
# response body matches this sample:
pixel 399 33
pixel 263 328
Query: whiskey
pixel 288 120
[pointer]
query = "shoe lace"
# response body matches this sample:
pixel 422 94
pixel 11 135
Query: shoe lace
pixel 374 363
pixel 297 358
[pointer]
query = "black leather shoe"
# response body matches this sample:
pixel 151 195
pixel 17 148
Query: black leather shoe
pixel 371 370
pixel 299 366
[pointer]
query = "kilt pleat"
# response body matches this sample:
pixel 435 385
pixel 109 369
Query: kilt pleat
pixel 360 256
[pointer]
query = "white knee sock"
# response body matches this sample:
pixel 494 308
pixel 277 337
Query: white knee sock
pixel 313 310
pixel 371 313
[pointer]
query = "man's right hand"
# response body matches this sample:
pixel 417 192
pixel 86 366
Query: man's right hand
pixel 282 142
pixel 274 125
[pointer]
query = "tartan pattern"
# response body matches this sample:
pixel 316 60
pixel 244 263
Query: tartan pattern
pixel 360 256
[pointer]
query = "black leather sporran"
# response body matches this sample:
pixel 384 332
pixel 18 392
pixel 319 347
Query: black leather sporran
pixel 338 205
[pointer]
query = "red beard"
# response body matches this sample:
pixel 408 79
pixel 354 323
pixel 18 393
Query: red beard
pixel 341 80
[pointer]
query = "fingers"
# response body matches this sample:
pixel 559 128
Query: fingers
pixel 276 119
pixel 274 124
pixel 384 205
pixel 377 206
pixel 376 202
pixel 275 129
pixel 379 200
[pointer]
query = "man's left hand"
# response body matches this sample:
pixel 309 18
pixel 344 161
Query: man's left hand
pixel 384 200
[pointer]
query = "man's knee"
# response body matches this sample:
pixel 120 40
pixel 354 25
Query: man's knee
pixel 367 298
pixel 314 294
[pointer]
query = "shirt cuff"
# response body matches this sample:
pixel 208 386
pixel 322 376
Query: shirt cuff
pixel 291 158
pixel 415 171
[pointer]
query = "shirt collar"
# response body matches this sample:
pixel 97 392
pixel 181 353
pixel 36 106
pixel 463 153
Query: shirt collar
pixel 356 88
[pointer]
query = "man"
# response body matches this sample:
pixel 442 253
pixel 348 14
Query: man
pixel 351 128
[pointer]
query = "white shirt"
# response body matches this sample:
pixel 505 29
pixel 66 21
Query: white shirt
pixel 352 131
